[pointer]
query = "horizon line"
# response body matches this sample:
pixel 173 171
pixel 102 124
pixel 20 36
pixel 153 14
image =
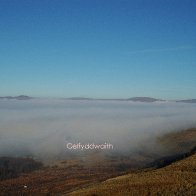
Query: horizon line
pixel 93 98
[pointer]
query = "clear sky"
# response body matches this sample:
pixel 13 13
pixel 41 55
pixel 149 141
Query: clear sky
pixel 98 48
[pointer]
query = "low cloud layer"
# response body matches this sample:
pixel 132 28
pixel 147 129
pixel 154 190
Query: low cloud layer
pixel 42 128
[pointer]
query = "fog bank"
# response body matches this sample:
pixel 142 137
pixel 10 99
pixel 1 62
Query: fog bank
pixel 43 127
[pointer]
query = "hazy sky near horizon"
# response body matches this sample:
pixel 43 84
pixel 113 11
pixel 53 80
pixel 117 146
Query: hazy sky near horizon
pixel 98 48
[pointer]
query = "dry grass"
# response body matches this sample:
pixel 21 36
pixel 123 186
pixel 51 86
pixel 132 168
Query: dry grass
pixel 176 179
pixel 178 142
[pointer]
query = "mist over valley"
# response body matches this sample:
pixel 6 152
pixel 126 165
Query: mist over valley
pixel 41 128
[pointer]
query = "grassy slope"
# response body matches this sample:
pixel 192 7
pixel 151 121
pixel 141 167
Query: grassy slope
pixel 178 178
pixel 74 175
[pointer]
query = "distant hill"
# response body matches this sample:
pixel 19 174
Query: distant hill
pixel 80 98
pixel 187 101
pixel 136 99
pixel 20 97
pixel 144 99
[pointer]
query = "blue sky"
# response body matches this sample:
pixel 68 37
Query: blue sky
pixel 98 48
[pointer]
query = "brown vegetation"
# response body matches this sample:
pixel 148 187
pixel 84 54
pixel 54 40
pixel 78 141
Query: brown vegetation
pixel 79 172
pixel 176 179
pixel 11 167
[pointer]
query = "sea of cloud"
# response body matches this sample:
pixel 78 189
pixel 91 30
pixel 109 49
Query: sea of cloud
pixel 42 127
